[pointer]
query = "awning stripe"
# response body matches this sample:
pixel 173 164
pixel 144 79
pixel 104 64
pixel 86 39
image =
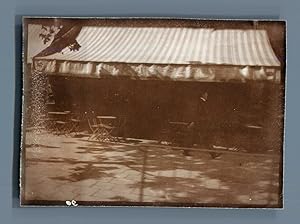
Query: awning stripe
pixel 150 46
pixel 235 55
pixel 158 45
pixel 179 48
pixel 224 50
pixel 114 42
pixel 145 47
pixel 260 49
pixel 101 42
pixel 219 49
pixel 153 50
pixel 163 48
pixel 93 40
pixel 204 46
pixel 230 55
pixel 245 48
pixel 211 50
pixel 185 46
pixel 271 53
pixel 231 51
pixel 241 56
pixel 255 50
pixel 196 42
pixel 160 50
pixel 105 43
pixel 136 40
pixel 173 45
pixel 127 44
pixel 265 49
pixel 251 45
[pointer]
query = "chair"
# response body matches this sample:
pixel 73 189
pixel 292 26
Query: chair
pixel 100 130
pixel 92 123
pixel 106 130
pixel 73 126
pixel 58 121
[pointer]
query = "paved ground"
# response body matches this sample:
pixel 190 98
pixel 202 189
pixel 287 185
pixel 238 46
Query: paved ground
pixel 62 168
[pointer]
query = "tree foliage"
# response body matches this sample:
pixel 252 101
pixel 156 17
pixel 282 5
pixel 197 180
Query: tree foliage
pixel 61 35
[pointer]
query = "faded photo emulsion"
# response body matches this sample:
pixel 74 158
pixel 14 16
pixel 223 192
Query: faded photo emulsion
pixel 153 112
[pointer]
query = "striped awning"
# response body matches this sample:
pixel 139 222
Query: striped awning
pixel 157 45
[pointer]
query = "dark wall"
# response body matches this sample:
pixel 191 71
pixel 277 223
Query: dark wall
pixel 149 105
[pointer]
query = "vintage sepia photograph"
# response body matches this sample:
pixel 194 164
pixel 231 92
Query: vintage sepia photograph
pixel 153 112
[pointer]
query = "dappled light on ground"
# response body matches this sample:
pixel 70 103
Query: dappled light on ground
pixel 64 168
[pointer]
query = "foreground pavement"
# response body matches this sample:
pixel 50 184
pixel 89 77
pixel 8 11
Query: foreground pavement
pixel 60 168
